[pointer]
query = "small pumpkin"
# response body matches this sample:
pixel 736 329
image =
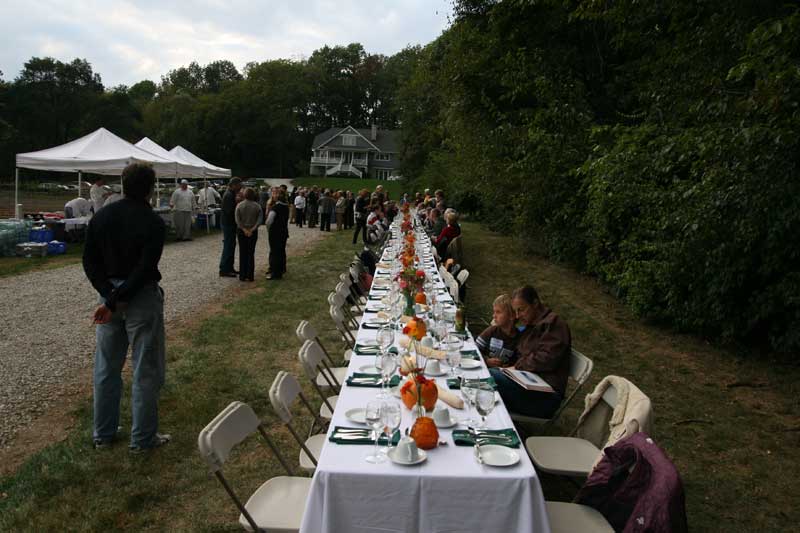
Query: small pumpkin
pixel 424 432
pixel 420 298
pixel 408 392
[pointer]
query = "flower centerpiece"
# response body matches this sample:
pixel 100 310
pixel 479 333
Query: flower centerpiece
pixel 419 393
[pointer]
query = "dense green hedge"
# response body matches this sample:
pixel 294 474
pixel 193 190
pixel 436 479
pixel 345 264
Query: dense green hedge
pixel 655 146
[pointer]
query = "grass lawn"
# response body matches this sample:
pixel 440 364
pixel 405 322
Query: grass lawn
pixel 232 355
pixel 730 423
pixel 11 266
pixel 394 188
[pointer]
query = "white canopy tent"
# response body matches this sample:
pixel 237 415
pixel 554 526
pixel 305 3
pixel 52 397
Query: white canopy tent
pixel 211 170
pixel 183 166
pixel 100 152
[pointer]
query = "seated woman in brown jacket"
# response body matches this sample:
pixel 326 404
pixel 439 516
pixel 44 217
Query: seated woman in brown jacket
pixel 543 346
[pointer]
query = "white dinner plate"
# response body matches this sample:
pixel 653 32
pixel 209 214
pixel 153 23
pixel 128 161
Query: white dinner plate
pixel 422 456
pixel 495 455
pixel 441 372
pixel 357 415
pixel 470 364
pixel 370 369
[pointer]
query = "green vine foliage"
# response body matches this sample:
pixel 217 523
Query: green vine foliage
pixel 652 144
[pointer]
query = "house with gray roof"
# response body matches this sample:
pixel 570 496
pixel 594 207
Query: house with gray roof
pixel 363 153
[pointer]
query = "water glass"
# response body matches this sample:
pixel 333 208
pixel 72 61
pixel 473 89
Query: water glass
pixel 469 388
pixel 392 416
pixel 484 402
pixel 373 416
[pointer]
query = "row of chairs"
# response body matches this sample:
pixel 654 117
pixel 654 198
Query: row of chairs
pixel 278 504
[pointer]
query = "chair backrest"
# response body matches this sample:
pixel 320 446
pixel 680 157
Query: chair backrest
pixel 580 367
pixel 452 288
pixel 235 423
pixel 284 391
pixel 462 276
pixel 455 250
pixel 305 331
pixel 309 366
pixel 595 424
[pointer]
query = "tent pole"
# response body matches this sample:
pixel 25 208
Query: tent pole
pixel 205 187
pixel 16 195
pixel 79 184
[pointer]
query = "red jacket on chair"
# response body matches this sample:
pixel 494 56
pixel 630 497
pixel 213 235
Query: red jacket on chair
pixel 637 488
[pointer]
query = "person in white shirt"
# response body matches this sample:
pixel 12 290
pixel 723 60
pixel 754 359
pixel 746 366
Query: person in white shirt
pixel 208 196
pixel 79 207
pixel 300 208
pixel 98 194
pixel 183 204
pixel 116 195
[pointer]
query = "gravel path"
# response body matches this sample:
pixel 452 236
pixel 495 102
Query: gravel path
pixel 47 338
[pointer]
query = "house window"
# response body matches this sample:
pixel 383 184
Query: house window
pixel 383 157
pixel 349 140
pixel 382 174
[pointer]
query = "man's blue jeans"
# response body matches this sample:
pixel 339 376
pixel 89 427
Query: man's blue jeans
pixel 522 401
pixel 228 248
pixel 140 326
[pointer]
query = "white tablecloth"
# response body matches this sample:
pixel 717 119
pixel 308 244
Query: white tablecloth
pixel 449 492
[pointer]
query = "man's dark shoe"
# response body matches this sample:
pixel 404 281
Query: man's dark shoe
pixel 228 274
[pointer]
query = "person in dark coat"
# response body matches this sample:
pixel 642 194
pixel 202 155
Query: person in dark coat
pixel 278 234
pixel 349 210
pixel 228 223
pixel 361 205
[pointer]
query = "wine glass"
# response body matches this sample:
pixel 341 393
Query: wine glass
pixel 397 311
pixel 453 353
pixel 388 366
pixel 391 415
pixel 484 402
pixel 468 392
pixel 385 338
pixel 374 419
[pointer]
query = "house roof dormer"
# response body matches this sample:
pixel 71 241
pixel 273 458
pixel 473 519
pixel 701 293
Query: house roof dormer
pixel 385 140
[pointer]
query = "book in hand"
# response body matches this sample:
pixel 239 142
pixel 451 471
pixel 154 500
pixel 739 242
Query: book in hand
pixel 528 380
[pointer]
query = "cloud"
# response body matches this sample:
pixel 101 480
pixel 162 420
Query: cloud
pixel 127 41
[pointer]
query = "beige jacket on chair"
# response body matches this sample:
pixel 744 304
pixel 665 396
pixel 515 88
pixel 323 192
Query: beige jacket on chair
pixel 631 414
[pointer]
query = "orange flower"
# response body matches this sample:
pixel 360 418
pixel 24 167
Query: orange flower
pixel 415 328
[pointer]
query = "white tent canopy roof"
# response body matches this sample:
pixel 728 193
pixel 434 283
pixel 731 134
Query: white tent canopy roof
pixel 184 167
pixel 100 152
pixel 211 170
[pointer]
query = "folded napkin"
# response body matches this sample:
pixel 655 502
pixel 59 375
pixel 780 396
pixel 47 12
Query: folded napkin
pixel 376 325
pixel 455 383
pixel 361 379
pixel 503 437
pixel 343 435
pixel 375 298
pixel 470 354
pixel 425 351
pixel 449 398
pixel 366 349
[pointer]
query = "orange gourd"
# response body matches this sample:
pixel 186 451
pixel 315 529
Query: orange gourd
pixel 408 392
pixel 424 432
pixel 420 298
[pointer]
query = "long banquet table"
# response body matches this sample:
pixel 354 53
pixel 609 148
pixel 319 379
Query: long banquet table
pixel 449 492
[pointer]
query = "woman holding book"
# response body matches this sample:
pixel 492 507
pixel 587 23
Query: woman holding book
pixel 544 344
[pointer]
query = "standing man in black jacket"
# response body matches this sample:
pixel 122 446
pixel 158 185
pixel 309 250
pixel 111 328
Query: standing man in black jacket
pixel 228 223
pixel 360 208
pixel 123 247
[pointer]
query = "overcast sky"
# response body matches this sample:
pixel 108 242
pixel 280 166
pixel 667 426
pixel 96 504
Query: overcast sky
pixel 128 41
